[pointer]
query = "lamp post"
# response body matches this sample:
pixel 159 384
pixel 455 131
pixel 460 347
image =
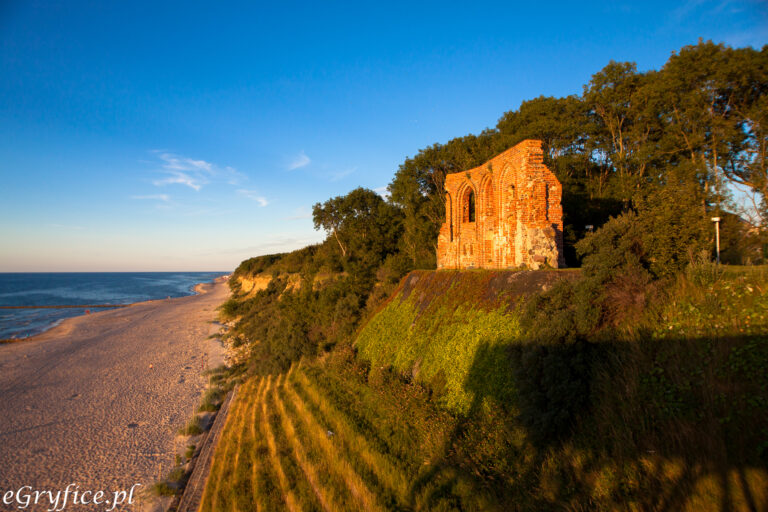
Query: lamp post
pixel 716 220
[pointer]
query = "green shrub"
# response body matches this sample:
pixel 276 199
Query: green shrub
pixel 163 489
pixel 554 384
pixel 703 271
pixel 193 427
pixel 211 400
pixel 673 222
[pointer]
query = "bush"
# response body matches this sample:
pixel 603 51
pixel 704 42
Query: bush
pixel 211 400
pixel 674 224
pixel 703 271
pixel 613 286
pixel 564 328
pixel 554 386
pixel 193 428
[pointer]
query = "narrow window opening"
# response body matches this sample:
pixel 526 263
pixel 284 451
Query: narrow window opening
pixel 449 214
pixel 469 206
pixel 488 199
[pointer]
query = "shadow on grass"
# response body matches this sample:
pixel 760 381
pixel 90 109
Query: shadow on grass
pixel 659 424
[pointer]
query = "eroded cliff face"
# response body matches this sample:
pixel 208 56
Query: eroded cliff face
pixel 250 285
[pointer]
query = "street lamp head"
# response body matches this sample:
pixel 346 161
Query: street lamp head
pixel 715 219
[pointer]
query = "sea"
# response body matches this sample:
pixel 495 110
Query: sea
pixel 82 288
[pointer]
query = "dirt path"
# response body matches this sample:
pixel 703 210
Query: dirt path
pixel 80 404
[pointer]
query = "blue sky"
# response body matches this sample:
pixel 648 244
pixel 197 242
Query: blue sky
pixel 190 136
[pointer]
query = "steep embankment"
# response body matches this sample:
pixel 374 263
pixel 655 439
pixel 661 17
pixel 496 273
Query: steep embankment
pixel 669 412
pixel 438 326
pixel 250 284
pixel 445 404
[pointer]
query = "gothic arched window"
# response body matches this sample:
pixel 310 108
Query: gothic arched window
pixel 487 199
pixel 468 205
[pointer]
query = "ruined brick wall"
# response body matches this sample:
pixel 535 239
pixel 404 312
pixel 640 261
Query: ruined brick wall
pixel 503 214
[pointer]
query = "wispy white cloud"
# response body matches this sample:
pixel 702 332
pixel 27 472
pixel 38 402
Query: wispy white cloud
pixel 232 176
pixel 206 212
pixel 173 162
pixel 685 9
pixel 253 195
pixel 181 178
pixel 193 173
pixel 752 32
pixel 156 197
pixel 299 161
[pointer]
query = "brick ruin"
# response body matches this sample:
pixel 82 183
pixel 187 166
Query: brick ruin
pixel 505 213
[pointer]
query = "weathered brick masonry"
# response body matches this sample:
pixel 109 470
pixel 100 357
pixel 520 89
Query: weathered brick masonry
pixel 503 214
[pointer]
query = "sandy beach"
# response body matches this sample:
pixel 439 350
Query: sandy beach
pixel 81 404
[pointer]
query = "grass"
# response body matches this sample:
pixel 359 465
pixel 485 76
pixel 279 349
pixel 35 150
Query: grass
pixel 221 380
pixel 193 427
pixel 323 438
pixel 320 457
pixel 443 342
pixel 434 325
pixel 173 484
pixel 421 420
pixel 212 400
pixel 164 489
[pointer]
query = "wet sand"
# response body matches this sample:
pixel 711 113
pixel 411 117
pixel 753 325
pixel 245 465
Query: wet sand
pixel 80 403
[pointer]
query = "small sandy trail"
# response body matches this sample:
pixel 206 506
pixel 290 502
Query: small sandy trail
pixel 80 404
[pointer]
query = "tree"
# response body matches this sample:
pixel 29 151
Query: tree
pixel 364 226
pixel 418 190
pixel 624 109
pixel 674 226
pixel 749 166
pixel 710 92
pixel 562 126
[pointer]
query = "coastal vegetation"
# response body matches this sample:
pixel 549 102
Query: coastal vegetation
pixel 445 402
pixel 220 381
pixel 637 381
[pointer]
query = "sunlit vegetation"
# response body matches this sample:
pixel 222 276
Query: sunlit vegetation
pixel 673 419
pixel 193 427
pixel 654 150
pixel 636 382
pixel 324 453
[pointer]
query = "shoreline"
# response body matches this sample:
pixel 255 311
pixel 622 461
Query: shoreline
pixel 194 290
pixel 98 398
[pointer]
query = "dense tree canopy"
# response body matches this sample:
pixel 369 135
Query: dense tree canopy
pixel 646 158
pixel 364 226
pixel 702 118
